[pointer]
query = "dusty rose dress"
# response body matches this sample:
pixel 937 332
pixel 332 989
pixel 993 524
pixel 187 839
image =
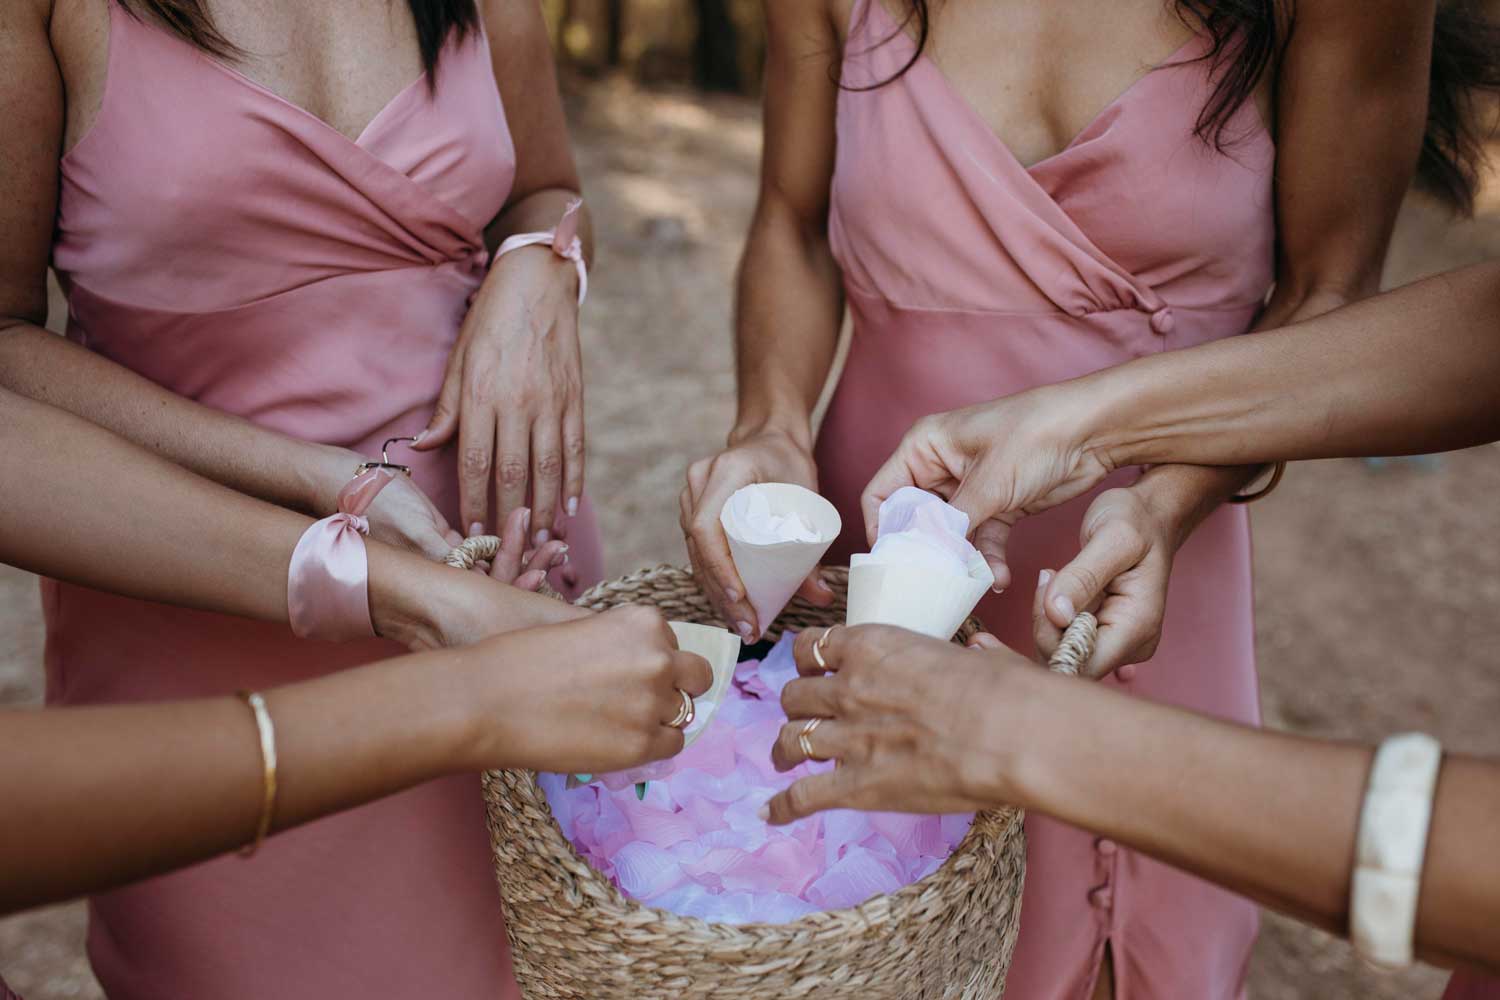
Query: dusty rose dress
pixel 971 277
pixel 235 249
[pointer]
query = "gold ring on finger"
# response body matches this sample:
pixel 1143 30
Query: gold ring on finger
pixel 685 713
pixel 804 739
pixel 818 647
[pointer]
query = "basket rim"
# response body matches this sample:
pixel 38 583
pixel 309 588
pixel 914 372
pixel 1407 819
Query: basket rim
pixel 997 825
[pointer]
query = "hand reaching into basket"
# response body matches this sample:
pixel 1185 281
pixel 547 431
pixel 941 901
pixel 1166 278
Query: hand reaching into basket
pixel 905 715
pixel 765 456
pixel 595 696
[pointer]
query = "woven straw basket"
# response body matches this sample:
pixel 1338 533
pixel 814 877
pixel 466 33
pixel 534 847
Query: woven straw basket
pixel 573 934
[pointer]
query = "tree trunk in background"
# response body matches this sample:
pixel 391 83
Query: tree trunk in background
pixel 716 55
pixel 614 32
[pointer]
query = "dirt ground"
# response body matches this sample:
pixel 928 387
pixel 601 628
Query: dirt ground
pixel 1376 588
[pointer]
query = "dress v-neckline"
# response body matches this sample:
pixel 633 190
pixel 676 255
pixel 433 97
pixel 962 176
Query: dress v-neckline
pixel 925 61
pixel 244 79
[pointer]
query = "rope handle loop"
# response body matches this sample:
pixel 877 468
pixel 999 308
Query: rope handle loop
pixel 1076 647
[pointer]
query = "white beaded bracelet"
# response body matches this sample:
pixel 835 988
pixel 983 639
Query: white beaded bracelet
pixel 1392 846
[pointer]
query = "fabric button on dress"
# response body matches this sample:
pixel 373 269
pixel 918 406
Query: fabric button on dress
pixel 1102 898
pixel 1106 847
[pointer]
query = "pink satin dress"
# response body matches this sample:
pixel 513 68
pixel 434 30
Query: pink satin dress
pixel 235 249
pixel 970 277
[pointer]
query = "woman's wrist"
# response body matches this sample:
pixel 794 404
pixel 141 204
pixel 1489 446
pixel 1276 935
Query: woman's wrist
pixel 997 755
pixel 774 422
pixel 539 263
pixel 321 471
pixel 402 588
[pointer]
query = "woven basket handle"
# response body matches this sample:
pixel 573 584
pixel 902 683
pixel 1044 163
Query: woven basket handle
pixel 1076 647
pixel 480 548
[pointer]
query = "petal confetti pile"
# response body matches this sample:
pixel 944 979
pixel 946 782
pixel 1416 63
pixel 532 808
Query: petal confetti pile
pixel 695 845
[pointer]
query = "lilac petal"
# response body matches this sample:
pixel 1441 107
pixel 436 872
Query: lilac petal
pixel 643 870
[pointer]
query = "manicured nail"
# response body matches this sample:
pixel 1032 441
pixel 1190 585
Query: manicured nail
pixel 572 506
pixel 764 812
pixel 418 439
pixel 745 630
pixel 525 520
pixel 1044 579
pixel 822 585
pixel 1064 606
pixel 542 536
pixel 476 529
pixel 731 595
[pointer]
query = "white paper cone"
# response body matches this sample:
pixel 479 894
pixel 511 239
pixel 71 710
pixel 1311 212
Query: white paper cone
pixel 721 648
pixel 772 573
pixel 915 597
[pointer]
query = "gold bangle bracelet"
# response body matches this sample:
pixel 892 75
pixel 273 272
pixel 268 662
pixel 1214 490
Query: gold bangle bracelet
pixel 1277 471
pixel 267 734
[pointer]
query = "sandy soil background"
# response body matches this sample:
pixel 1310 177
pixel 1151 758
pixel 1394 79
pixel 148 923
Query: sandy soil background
pixel 1376 588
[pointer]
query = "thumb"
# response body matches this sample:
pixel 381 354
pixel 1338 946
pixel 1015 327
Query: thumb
pixel 444 421
pixel 1083 582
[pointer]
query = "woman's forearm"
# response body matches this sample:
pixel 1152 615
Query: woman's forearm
pixel 167 785
pixel 789 307
pixel 1410 371
pixel 1271 816
pixel 250 459
pixel 96 510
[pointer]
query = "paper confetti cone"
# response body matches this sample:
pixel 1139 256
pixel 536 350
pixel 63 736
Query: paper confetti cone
pixel 773 570
pixel 721 648
pixel 920 598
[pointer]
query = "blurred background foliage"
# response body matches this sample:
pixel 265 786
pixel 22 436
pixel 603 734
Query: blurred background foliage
pixel 716 45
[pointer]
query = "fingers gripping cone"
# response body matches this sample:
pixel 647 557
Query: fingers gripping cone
pixel 922 574
pixel 777 533
pixel 721 648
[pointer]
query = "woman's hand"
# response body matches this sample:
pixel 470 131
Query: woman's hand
pixel 513 393
pixel 766 456
pixel 907 718
pixel 996 462
pixel 1120 575
pixel 588 696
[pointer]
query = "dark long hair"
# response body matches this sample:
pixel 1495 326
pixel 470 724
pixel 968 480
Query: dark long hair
pixel 1248 36
pixel 435 20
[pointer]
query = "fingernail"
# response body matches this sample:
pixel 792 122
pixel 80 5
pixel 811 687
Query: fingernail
pixel 418 439
pixel 572 506
pixel 997 589
pixel 1064 605
pixel 745 630
pixel 731 595
pixel 764 812
pixel 525 520
pixel 822 585
pixel 476 529
pixel 1044 579
pixel 542 536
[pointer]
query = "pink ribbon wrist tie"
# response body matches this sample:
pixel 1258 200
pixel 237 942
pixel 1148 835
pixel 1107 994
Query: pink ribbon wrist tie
pixel 564 241
pixel 328 583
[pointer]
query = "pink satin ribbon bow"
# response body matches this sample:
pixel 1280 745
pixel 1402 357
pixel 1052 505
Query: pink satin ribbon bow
pixel 564 241
pixel 328 583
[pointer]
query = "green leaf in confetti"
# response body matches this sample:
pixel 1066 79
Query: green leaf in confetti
pixel 640 790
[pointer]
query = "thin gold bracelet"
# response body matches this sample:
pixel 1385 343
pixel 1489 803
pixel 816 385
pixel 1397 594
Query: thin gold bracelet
pixel 267 733
pixel 1277 471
